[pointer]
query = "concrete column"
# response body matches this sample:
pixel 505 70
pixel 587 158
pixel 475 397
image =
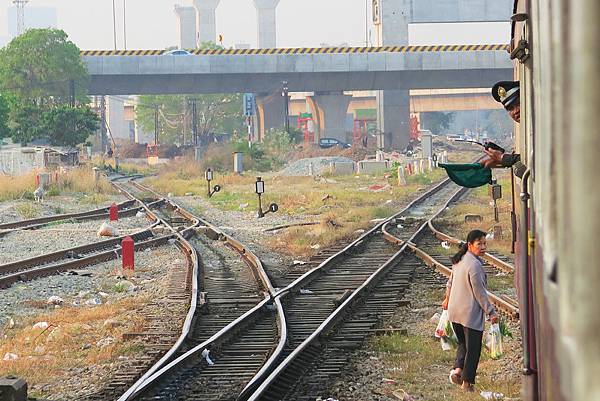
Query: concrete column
pixel 206 20
pixel 115 118
pixel 391 19
pixel 186 27
pixel 267 23
pixel 270 113
pixel 393 117
pixel 329 111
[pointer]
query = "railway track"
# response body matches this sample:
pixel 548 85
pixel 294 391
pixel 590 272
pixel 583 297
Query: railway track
pixel 235 320
pixel 425 244
pixel 334 307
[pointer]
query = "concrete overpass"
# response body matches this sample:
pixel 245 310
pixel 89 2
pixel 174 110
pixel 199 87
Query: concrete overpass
pixel 327 72
pixel 313 69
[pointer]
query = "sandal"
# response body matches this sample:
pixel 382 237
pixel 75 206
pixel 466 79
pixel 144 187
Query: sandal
pixel 455 377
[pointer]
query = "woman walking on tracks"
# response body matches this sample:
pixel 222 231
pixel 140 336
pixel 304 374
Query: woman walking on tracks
pixel 467 303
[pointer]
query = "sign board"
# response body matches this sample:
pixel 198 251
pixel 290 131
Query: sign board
pixel 249 104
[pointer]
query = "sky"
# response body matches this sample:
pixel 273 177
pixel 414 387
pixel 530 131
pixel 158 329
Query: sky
pixel 151 24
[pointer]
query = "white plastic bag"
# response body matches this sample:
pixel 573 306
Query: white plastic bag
pixel 106 230
pixel 445 332
pixel 494 341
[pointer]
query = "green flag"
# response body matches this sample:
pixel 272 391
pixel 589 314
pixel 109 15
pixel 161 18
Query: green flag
pixel 471 175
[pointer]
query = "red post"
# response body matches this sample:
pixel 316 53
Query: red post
pixel 128 252
pixel 409 168
pixel 37 180
pixel 113 212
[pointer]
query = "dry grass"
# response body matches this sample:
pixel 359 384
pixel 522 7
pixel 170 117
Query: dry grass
pixel 82 180
pixel 478 202
pixel 15 187
pixel 28 210
pixel 62 346
pixel 420 366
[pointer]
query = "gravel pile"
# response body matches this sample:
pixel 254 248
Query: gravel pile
pixel 320 165
pixel 29 243
pixel 104 286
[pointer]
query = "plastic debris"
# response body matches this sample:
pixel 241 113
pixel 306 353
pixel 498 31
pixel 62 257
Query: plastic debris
pixel 489 236
pixel 243 206
pixel 305 291
pixel 385 380
pixel 93 301
pixel 189 194
pixel 11 323
pixel 403 395
pixel 491 396
pixel 315 246
pixel 400 226
pixel 298 262
pixel 106 230
pixel 388 201
pixel 140 213
pixel 41 325
pixel 445 245
pixel 435 318
pixel 359 231
pixel 169 195
pixel 55 300
pixel 206 355
pixel 9 356
pixel 105 342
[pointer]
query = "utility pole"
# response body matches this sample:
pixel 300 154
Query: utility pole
pixel 156 124
pixel 103 124
pixel 194 122
pixel 286 100
pixel 114 24
pixel 20 4
pixel 124 27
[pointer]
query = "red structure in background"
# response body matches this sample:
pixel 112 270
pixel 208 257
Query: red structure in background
pixel 151 150
pixel 113 212
pixel 306 125
pixel 360 134
pixel 414 129
pixel 128 250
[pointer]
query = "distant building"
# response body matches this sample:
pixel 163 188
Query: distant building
pixel 35 17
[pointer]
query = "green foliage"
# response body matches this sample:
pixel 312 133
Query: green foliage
pixel 68 126
pixel 5 106
pixel 39 64
pixel 26 122
pixel 215 113
pixel 436 121
pixel 36 73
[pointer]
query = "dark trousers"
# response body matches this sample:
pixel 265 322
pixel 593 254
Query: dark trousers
pixel 468 351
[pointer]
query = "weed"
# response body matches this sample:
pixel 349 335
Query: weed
pixel 28 210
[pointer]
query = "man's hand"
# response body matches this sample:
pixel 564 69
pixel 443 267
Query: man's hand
pixel 494 158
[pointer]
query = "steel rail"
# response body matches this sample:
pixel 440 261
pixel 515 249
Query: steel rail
pixel 337 314
pixel 507 307
pixel 162 367
pixel 491 259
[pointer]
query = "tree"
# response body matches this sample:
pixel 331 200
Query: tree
pixel 436 121
pixel 69 126
pixel 5 106
pixel 40 64
pixel 214 113
pixel 25 120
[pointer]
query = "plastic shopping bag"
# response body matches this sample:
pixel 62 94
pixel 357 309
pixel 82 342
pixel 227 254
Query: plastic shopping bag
pixel 494 341
pixel 445 332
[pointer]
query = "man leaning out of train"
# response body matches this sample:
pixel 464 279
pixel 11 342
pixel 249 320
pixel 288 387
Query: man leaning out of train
pixel 467 304
pixel 509 95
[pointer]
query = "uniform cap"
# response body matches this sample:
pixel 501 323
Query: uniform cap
pixel 506 92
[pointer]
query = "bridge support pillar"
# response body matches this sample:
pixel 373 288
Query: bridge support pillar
pixel 270 113
pixel 206 20
pixel 393 118
pixel 329 110
pixel 186 17
pixel 267 23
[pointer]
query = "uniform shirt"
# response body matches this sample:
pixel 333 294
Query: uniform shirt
pixel 468 302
